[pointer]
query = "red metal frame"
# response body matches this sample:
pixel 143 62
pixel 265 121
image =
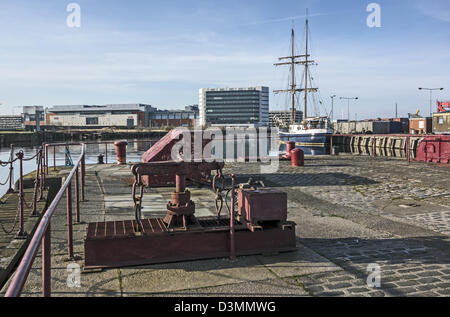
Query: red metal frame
pixel 114 244
pixel 42 234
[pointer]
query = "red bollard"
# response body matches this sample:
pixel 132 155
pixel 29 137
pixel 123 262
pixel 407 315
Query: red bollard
pixel 289 147
pixel 297 157
pixel 121 149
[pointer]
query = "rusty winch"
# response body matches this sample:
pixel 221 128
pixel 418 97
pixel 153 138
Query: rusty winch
pixel 256 222
pixel 181 209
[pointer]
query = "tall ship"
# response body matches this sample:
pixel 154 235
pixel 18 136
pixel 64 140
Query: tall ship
pixel 311 131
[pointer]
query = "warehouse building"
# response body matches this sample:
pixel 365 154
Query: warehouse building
pixel 246 107
pixel 93 116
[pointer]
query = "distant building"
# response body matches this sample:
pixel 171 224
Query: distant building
pixel 367 126
pixel 441 122
pixel 175 118
pixel 33 117
pixel 11 123
pixel 282 119
pixel 420 125
pixel 93 116
pixel 403 127
pixel 234 106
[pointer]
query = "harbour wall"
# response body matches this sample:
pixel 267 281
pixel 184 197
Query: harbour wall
pixel 378 141
pixel 36 138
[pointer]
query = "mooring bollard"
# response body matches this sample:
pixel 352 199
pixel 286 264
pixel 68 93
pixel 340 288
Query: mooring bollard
pixel 289 147
pixel 297 157
pixel 121 149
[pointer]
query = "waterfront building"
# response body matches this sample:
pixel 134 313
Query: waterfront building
pixel 175 118
pixel 441 122
pixel 11 123
pixel 367 126
pixel 33 117
pixel 420 125
pixel 246 107
pixel 94 116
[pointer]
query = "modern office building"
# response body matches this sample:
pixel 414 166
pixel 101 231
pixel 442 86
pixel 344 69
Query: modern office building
pixel 234 106
pixel 93 116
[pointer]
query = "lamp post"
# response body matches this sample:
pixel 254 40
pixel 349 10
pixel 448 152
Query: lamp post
pixel 431 94
pixel 348 105
pixel 332 105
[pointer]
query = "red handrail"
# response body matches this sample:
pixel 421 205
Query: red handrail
pixel 42 233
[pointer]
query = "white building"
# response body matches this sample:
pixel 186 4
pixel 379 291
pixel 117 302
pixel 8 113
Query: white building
pixel 94 116
pixel 247 107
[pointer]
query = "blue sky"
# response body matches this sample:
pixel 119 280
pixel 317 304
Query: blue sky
pixel 162 52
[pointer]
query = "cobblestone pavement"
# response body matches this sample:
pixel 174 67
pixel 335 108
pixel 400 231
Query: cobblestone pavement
pixel 353 214
pixel 359 211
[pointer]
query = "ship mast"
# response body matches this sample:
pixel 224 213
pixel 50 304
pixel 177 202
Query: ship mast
pixel 305 114
pixel 293 60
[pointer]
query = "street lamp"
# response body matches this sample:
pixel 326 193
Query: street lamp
pixel 332 105
pixel 431 93
pixel 348 105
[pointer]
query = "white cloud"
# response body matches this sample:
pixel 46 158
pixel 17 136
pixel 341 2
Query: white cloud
pixel 439 10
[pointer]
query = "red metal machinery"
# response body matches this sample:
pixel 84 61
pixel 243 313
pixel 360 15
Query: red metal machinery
pixel 260 226
pixel 162 151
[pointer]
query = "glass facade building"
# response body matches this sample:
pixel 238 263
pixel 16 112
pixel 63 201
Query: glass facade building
pixel 234 106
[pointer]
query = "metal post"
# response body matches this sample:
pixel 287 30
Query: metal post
pixel 331 145
pixel 348 110
pixel 36 184
pixel 77 194
pixel 431 97
pixel 21 233
pixel 69 220
pixel 83 172
pixel 373 147
pixel 11 170
pixel 46 262
pixel 106 153
pixel 180 183
pixel 42 179
pixel 232 242
pixel 408 149
pixel 54 158
pixel 46 158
